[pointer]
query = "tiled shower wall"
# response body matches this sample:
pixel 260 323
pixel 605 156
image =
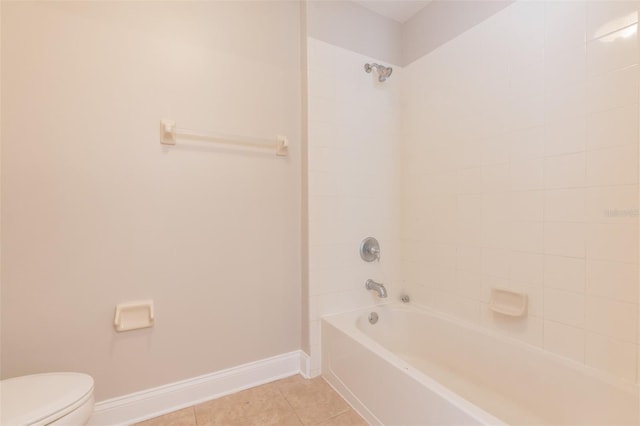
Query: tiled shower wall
pixel 520 171
pixel 354 151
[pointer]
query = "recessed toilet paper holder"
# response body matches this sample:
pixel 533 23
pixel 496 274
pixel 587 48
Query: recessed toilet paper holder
pixel 370 249
pixel 134 315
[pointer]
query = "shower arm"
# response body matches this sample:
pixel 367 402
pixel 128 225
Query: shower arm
pixel 369 67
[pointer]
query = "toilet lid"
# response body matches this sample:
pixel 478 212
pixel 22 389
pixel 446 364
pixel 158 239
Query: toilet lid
pixel 31 399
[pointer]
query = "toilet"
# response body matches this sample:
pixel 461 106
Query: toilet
pixel 44 399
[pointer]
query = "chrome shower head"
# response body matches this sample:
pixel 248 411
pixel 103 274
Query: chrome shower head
pixel 383 72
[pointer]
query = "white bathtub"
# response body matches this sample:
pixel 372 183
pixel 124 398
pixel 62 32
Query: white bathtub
pixel 418 367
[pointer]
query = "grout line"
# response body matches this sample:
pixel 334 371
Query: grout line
pixel 346 410
pixel 291 406
pixel 195 416
pixel 289 402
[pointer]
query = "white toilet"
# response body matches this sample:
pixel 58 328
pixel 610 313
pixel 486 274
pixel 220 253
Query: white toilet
pixel 49 398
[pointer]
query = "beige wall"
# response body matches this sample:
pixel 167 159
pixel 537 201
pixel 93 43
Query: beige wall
pixel 96 212
pixel 356 28
pixel 353 27
pixel 440 21
pixel 305 342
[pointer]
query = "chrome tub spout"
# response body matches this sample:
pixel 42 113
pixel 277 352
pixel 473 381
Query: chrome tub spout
pixel 378 287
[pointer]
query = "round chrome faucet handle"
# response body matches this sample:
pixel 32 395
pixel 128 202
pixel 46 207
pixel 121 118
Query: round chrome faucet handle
pixel 370 249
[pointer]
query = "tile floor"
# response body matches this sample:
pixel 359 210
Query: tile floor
pixel 291 401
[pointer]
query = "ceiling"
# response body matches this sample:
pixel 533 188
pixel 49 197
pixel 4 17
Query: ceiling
pixel 398 10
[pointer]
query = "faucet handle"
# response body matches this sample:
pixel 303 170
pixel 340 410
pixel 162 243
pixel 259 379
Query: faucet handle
pixel 370 249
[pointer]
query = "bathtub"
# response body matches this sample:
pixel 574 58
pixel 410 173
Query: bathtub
pixel 419 367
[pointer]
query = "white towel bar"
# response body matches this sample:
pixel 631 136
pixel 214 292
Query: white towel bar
pixel 169 133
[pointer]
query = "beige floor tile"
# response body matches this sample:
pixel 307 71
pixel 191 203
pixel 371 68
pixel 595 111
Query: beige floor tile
pixel 350 418
pixel 313 400
pixel 262 392
pixel 185 417
pixel 263 405
pixel 294 401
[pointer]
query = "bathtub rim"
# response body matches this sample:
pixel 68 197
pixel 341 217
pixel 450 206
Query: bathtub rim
pixel 399 364
pixel 347 320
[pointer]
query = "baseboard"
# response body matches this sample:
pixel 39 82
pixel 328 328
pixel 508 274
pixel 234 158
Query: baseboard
pixel 305 365
pixel 154 402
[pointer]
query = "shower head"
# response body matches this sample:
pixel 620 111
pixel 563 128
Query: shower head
pixel 383 72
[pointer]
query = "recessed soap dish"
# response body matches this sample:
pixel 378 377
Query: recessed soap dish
pixel 507 302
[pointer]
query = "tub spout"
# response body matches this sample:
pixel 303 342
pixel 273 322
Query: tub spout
pixel 379 287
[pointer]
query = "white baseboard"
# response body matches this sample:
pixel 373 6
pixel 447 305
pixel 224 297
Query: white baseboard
pixel 154 402
pixel 305 365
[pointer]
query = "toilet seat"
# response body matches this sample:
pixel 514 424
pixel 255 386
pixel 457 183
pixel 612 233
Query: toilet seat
pixel 40 399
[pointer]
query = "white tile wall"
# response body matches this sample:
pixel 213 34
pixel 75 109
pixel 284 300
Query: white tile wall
pixel 564 273
pixel 614 51
pixel 612 89
pixel 612 166
pixel 526 144
pixel 617 126
pixel 526 267
pixel 564 340
pixel 530 122
pixel 469 259
pixel 564 307
pixel 608 16
pixel 516 167
pixel 565 205
pixel 565 136
pixel 526 236
pixel 612 204
pixel 565 24
pixel 564 239
pixel 527 206
pixel 353 191
pixel 565 171
pixel 615 280
pixel 495 262
pixel 612 318
pixel 613 241
pixel 564 68
pixel 611 355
